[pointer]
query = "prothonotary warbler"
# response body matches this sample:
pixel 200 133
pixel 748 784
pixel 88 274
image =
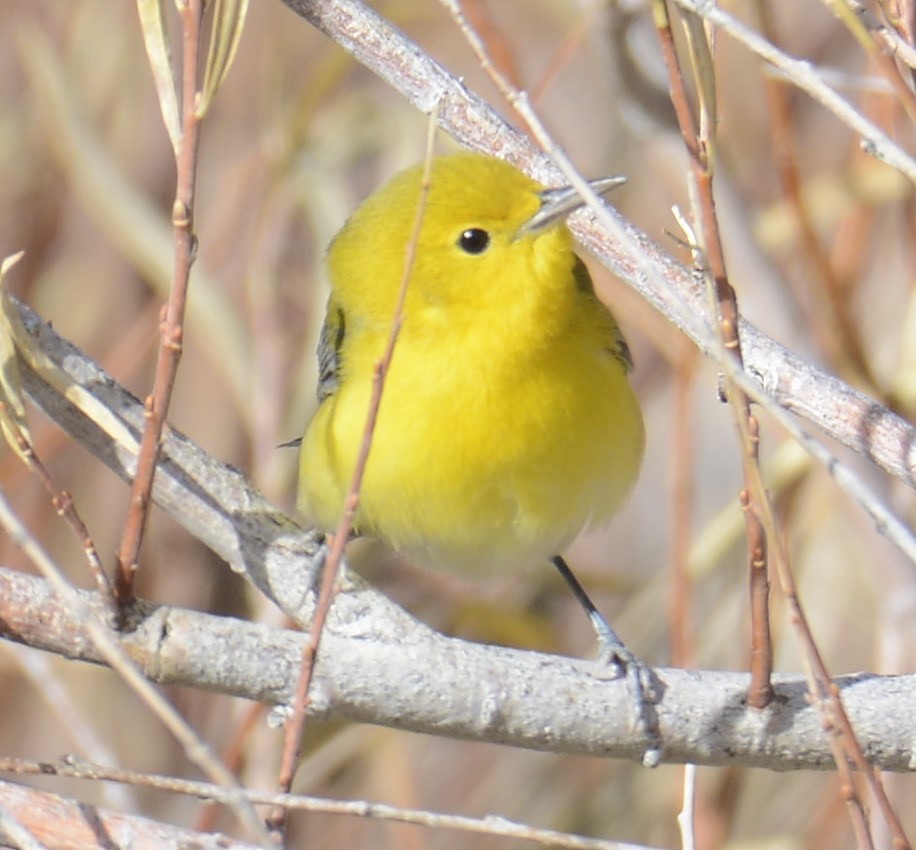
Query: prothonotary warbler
pixel 507 424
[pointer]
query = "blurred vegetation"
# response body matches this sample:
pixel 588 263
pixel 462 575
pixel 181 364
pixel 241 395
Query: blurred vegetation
pixel 297 136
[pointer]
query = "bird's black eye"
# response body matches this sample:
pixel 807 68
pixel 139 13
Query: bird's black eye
pixel 474 240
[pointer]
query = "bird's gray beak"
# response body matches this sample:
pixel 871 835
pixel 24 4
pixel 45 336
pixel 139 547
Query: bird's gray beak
pixel 556 204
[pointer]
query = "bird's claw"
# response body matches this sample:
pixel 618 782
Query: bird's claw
pixel 644 689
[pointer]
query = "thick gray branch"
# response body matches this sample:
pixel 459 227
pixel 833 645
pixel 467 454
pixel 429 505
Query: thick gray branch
pixel 379 665
pixel 406 676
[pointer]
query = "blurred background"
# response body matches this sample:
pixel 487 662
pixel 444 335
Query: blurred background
pixel 299 134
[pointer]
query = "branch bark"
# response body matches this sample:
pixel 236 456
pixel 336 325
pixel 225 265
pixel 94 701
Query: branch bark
pixel 378 664
pixel 401 674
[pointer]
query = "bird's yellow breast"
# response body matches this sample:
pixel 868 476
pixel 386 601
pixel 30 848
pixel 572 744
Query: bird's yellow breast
pixel 507 422
pixel 477 461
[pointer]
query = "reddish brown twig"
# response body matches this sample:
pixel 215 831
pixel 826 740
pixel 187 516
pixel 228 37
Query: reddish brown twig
pixel 761 529
pixel 172 325
pixel 277 820
pixel 726 303
pixel 63 505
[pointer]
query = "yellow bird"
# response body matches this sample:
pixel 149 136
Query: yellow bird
pixel 507 424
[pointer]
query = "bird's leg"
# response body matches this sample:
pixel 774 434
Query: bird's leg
pixel 641 681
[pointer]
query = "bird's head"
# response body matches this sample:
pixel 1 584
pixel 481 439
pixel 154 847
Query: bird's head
pixel 491 240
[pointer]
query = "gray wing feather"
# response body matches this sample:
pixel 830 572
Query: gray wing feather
pixel 618 344
pixel 330 342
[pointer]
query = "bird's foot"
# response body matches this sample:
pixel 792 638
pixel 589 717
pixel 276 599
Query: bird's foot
pixel 643 686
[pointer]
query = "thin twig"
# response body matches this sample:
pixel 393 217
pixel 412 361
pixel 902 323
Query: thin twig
pixel 874 140
pixel 761 526
pixel 107 646
pixel 490 825
pixel 841 734
pixel 335 551
pixel 878 51
pixel 724 305
pixel 686 818
pixel 63 504
pixel 172 326
pixel 898 43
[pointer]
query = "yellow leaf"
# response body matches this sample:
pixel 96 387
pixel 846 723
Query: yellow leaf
pixel 152 23
pixel 12 408
pixel 228 22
